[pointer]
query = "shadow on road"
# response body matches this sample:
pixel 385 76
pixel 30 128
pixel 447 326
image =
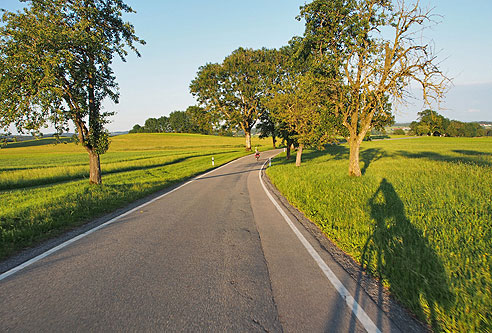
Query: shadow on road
pixel 398 252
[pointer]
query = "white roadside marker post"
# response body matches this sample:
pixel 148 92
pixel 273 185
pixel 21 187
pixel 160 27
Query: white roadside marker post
pixel 270 162
pixel 213 162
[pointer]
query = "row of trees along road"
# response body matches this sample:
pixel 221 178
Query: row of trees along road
pixel 355 59
pixel 55 67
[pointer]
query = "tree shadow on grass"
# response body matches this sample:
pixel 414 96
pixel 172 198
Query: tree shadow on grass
pixel 368 156
pixel 472 152
pixel 38 142
pixel 336 151
pixel 398 252
pixel 473 158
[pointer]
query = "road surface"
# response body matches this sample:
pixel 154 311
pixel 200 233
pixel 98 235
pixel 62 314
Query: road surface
pixel 215 254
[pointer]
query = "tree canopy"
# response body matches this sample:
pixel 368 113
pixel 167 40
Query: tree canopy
pixel 55 64
pixel 364 69
pixel 432 123
pixel 234 89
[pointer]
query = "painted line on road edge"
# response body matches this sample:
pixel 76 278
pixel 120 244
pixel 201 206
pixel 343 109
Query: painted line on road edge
pixel 114 219
pixel 357 310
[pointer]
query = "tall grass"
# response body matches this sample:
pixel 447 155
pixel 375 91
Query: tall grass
pixel 420 218
pixel 44 189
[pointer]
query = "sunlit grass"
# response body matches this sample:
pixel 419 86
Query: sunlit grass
pixel 44 189
pixel 420 218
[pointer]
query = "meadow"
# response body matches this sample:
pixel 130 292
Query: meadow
pixel 419 219
pixel 45 191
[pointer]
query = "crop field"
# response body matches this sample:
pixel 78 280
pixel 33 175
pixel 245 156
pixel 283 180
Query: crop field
pixel 420 219
pixel 44 188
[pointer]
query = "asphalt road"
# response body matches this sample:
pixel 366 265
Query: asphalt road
pixel 213 255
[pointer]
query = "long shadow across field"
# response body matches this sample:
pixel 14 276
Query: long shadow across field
pixel 472 157
pixel 338 152
pixel 402 256
pixel 64 178
pixel 39 142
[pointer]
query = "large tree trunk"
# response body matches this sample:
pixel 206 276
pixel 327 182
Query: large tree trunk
pixel 95 169
pixel 248 139
pixel 274 141
pixel 354 168
pixel 299 154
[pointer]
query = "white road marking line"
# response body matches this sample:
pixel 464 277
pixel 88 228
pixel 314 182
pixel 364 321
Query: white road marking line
pixel 349 299
pixel 76 238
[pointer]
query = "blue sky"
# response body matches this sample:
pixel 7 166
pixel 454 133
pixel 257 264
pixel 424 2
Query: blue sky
pixel 183 35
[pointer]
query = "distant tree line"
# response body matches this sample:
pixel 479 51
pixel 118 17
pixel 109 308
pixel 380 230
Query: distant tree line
pixel 432 123
pixel 194 120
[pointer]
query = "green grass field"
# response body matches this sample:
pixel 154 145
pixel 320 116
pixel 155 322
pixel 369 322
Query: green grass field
pixel 420 218
pixel 44 188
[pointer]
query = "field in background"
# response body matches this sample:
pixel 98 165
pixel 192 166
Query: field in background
pixel 420 218
pixel 44 188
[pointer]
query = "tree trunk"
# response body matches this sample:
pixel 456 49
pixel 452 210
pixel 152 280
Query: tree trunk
pixel 94 128
pixel 289 146
pixel 248 139
pixel 299 154
pixel 95 169
pixel 274 141
pixel 354 167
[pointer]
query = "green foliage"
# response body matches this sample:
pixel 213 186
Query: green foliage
pixel 43 188
pixel 399 131
pixel 233 90
pixel 300 105
pixel 420 219
pixel 432 123
pixel 55 63
pixel 367 53
pixel 194 120
pixel 201 121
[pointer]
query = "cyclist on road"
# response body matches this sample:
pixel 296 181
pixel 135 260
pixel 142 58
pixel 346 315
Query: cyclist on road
pixel 257 154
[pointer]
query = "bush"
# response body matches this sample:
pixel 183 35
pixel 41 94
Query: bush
pixel 399 131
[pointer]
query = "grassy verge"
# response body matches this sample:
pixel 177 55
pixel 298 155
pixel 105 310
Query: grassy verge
pixel 420 219
pixel 44 188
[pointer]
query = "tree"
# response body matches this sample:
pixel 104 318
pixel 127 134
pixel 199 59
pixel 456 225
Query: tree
pixel 347 39
pixel 233 90
pixel 179 122
pixel 201 121
pixel 55 63
pixel 137 129
pixel 299 104
pixel 435 122
pixel 399 131
pixel 455 128
pixel 267 126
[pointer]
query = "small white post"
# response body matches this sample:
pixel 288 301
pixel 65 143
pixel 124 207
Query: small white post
pixel 213 162
pixel 284 150
pixel 270 162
